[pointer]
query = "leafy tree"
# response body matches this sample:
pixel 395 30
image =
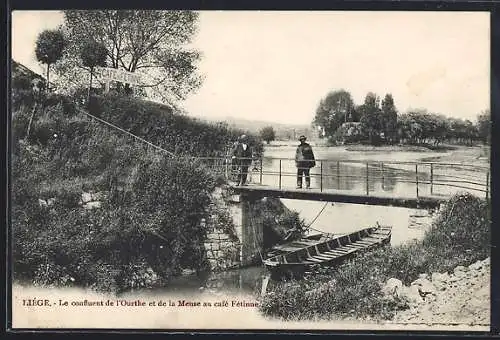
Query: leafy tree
pixel 484 126
pixel 49 49
pixel 267 133
pixel 150 43
pixel 335 109
pixel 371 121
pixel 93 54
pixel 389 117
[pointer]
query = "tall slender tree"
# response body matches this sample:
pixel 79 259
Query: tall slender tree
pixel 389 118
pixel 371 117
pixel 49 49
pixel 93 54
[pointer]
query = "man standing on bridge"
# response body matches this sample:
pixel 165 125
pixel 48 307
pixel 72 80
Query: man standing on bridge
pixel 304 160
pixel 242 157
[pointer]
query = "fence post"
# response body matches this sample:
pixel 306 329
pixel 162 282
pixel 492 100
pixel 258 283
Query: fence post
pixel 382 169
pixel 367 183
pixel 338 175
pixel 432 177
pixel 321 177
pixel 261 170
pixel 416 177
pixel 487 183
pixel 280 176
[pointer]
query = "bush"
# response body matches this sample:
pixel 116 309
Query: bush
pixel 460 235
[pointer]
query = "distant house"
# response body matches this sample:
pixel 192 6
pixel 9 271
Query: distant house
pixel 349 132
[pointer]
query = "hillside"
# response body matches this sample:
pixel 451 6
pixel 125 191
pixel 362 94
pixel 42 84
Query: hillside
pixel 283 131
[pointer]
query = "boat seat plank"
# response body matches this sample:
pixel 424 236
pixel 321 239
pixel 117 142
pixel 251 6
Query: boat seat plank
pixel 365 243
pixel 337 255
pixel 324 257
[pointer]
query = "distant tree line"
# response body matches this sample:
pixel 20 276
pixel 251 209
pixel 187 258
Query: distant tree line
pixel 378 121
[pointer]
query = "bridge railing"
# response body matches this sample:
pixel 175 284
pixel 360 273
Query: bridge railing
pixel 424 177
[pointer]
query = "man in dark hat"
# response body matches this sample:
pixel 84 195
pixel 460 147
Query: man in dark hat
pixel 242 157
pixel 304 160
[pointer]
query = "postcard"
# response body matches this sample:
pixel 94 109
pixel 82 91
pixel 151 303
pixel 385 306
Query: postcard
pixel 250 170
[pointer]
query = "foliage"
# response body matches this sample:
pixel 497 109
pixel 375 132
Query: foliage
pixel 484 126
pixel 49 49
pixel 49 46
pixel 93 54
pixel 151 43
pixel 381 123
pixel 389 118
pixel 350 132
pixel 459 235
pixel 275 220
pixel 332 110
pixel 371 117
pixel 267 133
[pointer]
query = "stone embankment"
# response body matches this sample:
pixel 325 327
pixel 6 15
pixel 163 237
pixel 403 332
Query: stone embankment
pixel 458 298
pixel 222 245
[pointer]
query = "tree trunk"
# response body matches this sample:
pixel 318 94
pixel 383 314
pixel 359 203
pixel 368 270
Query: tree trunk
pixel 48 79
pixel 90 87
pixel 31 120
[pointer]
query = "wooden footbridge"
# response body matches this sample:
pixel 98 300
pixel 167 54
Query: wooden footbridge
pixel 389 183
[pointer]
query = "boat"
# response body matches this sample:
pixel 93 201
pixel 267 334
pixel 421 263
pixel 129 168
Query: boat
pixel 328 249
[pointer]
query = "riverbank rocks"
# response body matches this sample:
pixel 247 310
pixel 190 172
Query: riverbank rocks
pixel 89 200
pixel 46 203
pixel 460 297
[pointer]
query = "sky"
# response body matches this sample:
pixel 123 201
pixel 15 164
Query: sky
pixel 276 66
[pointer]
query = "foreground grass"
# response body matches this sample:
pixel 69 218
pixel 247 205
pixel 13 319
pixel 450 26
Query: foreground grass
pixel 460 235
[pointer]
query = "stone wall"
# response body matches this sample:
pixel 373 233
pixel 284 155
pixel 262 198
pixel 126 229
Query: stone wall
pixel 222 252
pixel 236 243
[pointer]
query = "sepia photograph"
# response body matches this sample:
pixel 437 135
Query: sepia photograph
pixel 250 170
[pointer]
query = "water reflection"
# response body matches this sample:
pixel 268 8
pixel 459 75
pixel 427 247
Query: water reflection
pixel 243 280
pixel 356 177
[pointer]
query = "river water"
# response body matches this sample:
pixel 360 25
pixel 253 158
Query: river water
pixel 408 224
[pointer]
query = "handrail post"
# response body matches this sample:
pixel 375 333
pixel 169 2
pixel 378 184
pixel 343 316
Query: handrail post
pixel 280 176
pixel 338 175
pixel 367 183
pixel 487 183
pixel 260 170
pixel 432 177
pixel 382 169
pixel 416 176
pixel 321 176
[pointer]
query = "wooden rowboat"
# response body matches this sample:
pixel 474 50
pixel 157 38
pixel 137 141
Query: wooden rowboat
pixel 297 256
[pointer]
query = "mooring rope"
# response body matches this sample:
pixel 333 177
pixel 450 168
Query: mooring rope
pixel 315 218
